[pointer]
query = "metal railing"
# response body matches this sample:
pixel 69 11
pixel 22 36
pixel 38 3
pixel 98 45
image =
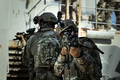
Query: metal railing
pixel 43 10
pixel 33 7
pixel 59 4
pixel 96 14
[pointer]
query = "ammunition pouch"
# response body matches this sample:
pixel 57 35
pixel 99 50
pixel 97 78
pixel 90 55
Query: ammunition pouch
pixel 32 76
pixel 70 72
pixel 31 64
pixel 30 68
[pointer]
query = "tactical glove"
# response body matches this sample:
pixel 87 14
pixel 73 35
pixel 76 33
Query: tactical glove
pixel 21 39
pixel 64 51
pixel 75 52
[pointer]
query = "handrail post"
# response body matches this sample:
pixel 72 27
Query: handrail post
pixel 79 20
pixel 67 9
pixel 34 6
pixel 96 13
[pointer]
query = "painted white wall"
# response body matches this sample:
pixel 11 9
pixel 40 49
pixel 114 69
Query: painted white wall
pixel 49 7
pixel 12 20
pixel 4 28
pixel 17 20
pixel 4 62
pixel 109 60
pixel 18 16
pixel 89 4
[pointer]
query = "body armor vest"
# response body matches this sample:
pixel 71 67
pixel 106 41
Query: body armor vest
pixel 48 50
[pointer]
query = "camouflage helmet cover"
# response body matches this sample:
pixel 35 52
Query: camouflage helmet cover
pixel 66 24
pixel 48 17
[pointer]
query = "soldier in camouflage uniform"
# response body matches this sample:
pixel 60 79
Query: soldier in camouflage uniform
pixel 73 11
pixel 44 47
pixel 105 15
pixel 83 66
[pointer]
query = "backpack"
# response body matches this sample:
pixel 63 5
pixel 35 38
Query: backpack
pixel 48 50
pixel 93 50
pixel 71 69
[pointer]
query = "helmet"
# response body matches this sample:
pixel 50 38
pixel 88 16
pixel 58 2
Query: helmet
pixel 48 17
pixel 35 20
pixel 66 24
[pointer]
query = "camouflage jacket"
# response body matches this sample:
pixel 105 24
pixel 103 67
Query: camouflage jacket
pixel 89 68
pixel 31 47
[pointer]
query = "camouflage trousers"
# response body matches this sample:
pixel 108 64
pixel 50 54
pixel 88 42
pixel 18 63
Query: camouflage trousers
pixel 73 11
pixel 104 16
pixel 45 74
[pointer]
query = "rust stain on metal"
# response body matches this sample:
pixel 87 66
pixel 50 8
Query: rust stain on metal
pixel 117 33
pixel 83 32
pixel 0 46
pixel 1 49
pixel 13 11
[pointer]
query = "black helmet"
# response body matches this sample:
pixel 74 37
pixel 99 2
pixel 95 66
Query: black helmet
pixel 48 17
pixel 35 20
pixel 66 24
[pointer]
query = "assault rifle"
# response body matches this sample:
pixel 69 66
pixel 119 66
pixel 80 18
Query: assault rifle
pixel 59 15
pixel 68 41
pixel 18 33
pixel 23 37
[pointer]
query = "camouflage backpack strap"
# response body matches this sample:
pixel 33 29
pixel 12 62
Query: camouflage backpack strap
pixel 92 50
pixel 81 40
